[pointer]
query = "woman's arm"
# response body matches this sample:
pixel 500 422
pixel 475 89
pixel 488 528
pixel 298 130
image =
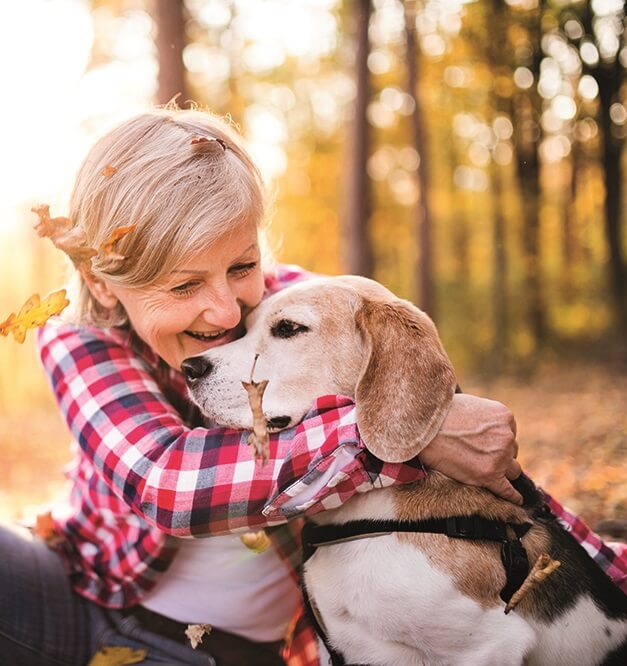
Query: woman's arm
pixel 476 445
pixel 196 481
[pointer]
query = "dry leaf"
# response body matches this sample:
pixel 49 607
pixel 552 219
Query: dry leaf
pixel 258 542
pixel 71 240
pixel 45 529
pixel 34 313
pixel 47 226
pixel 258 438
pixel 107 248
pixel 207 139
pixel 195 633
pixel 117 656
pixel 543 568
pixel 109 170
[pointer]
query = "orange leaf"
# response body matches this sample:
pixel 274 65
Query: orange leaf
pixel 34 313
pixel 108 246
pixel 66 238
pixel 48 227
pixel 109 170
pixel 45 529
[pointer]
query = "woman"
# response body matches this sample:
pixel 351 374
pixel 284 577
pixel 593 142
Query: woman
pixel 147 474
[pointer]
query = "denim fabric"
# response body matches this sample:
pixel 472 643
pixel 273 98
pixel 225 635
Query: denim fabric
pixel 44 623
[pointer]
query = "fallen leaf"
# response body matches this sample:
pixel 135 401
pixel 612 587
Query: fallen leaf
pixel 543 568
pixel 68 239
pixel 107 248
pixel 45 529
pixel 196 632
pixel 109 170
pixel 258 542
pixel 117 656
pixel 258 438
pixel 34 313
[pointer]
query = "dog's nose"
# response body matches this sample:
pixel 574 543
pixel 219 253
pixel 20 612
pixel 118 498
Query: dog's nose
pixel 196 367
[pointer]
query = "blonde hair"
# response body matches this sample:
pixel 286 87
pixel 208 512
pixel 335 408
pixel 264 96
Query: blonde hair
pixel 183 177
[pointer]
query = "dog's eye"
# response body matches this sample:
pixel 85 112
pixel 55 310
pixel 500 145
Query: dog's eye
pixel 284 328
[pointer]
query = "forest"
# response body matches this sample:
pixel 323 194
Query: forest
pixel 470 155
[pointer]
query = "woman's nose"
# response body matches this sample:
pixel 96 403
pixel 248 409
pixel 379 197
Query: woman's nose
pixel 224 309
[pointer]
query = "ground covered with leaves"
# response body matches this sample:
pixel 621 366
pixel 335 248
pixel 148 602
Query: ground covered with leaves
pixel 572 430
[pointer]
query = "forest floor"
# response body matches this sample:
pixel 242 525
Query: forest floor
pixel 572 431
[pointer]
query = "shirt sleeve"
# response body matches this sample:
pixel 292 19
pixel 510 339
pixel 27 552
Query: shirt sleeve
pixel 611 557
pixel 198 481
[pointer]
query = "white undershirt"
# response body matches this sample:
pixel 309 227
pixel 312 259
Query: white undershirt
pixel 219 581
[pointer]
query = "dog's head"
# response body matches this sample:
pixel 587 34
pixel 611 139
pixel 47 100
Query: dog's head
pixel 345 335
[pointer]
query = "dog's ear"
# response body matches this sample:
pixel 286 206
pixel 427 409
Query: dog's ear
pixel 406 383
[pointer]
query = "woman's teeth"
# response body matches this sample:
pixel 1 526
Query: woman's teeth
pixel 205 337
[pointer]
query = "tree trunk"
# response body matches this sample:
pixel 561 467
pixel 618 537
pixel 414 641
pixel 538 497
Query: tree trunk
pixel 497 56
pixel 425 298
pixel 609 80
pixel 170 41
pixel 527 138
pixel 358 255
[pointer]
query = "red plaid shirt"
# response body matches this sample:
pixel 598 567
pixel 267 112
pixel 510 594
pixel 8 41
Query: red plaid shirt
pixel 146 471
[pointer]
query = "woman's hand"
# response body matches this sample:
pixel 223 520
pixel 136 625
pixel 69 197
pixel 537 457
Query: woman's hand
pixel 477 445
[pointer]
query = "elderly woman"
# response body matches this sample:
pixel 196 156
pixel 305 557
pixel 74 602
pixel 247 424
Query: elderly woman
pixel 130 567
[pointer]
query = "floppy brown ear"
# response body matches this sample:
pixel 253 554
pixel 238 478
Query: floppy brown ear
pixel 407 382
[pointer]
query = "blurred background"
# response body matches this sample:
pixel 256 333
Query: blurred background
pixel 467 154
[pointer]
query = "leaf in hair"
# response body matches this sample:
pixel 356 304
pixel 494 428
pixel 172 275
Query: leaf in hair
pixel 107 248
pixel 109 170
pixel 258 438
pixel 68 239
pixel 33 313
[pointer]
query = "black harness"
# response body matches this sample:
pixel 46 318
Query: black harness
pixel 476 528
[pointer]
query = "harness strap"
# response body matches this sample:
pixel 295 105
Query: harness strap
pixel 474 527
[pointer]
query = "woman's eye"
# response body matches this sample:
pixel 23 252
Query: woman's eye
pixel 285 328
pixel 185 289
pixel 242 270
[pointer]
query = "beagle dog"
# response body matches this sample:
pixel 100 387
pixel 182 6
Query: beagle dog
pixel 417 574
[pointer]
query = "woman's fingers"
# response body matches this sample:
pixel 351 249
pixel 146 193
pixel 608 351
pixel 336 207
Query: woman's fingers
pixel 513 471
pixel 503 488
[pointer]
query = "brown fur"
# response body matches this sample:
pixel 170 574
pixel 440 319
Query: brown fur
pixel 476 567
pixel 401 398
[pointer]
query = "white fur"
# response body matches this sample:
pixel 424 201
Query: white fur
pixel 577 637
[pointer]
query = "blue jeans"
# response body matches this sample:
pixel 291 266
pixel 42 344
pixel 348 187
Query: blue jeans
pixel 44 623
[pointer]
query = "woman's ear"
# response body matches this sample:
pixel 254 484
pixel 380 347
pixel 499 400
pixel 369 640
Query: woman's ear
pixel 407 382
pixel 100 290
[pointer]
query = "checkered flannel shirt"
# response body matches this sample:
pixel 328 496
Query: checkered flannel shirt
pixel 146 471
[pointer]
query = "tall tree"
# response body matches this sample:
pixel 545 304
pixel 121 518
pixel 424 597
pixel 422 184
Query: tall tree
pixel 527 110
pixel 423 216
pixel 169 16
pixel 358 255
pixel 497 56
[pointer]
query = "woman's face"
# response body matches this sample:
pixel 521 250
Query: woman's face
pixel 202 304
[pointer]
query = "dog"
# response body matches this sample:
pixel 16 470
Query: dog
pixel 394 595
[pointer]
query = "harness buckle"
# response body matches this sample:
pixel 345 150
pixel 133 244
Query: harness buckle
pixel 464 527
